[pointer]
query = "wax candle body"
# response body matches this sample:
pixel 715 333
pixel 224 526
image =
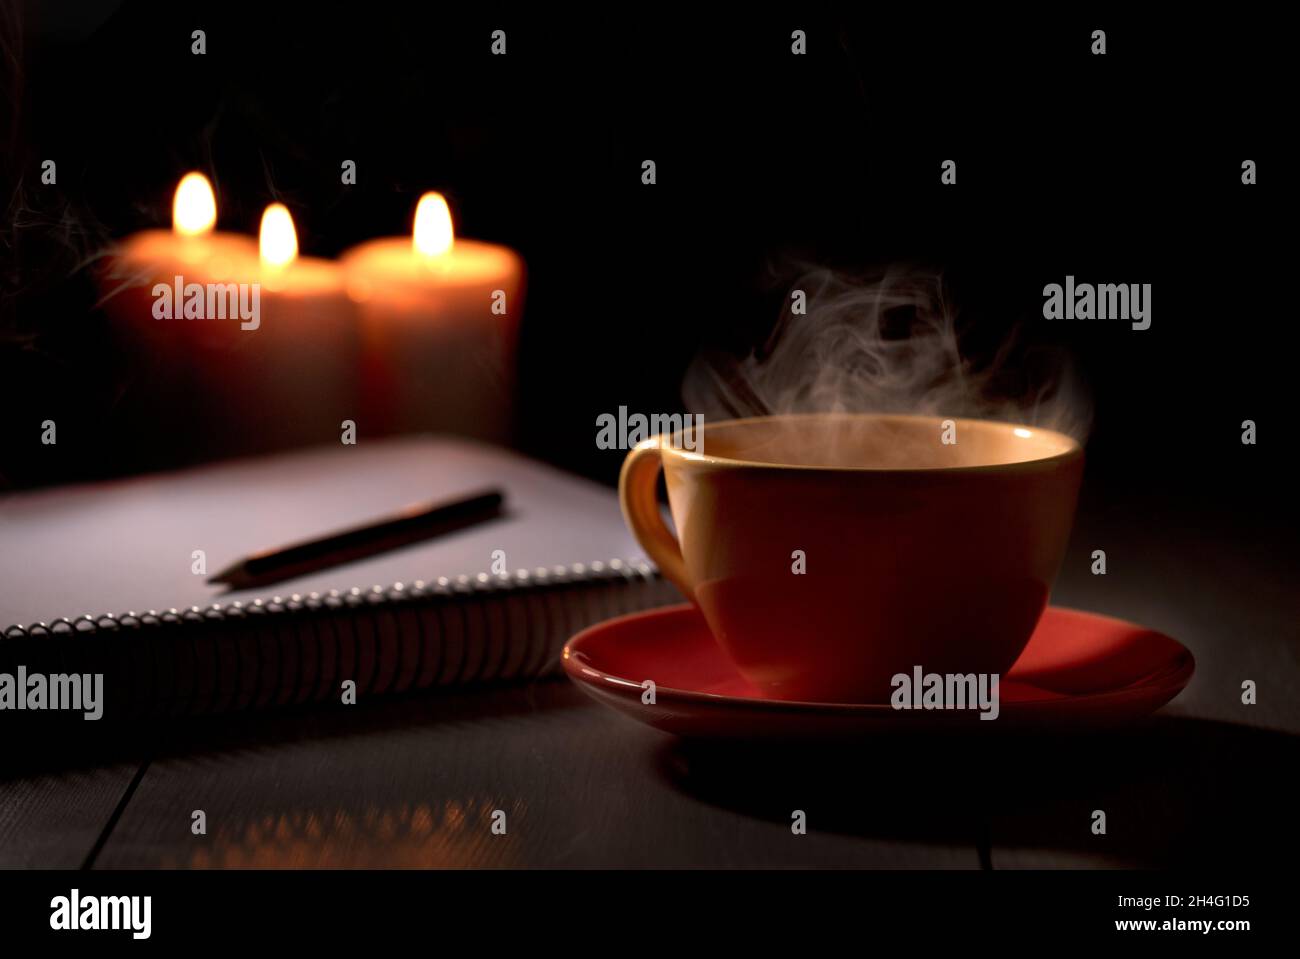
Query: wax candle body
pixel 268 362
pixel 439 336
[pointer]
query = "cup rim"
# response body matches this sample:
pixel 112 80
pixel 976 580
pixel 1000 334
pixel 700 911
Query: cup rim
pixel 1073 451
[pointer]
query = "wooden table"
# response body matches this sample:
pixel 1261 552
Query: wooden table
pixel 416 782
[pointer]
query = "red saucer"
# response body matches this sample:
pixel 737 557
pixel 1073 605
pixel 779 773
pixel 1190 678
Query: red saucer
pixel 1079 670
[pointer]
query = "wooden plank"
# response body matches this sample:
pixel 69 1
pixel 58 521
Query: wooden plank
pixel 53 819
pixel 415 784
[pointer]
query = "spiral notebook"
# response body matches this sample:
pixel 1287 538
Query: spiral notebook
pixel 110 579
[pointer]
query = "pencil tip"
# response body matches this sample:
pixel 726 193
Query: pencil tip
pixel 225 576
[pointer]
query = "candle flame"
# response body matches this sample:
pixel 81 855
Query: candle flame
pixel 194 210
pixel 433 231
pixel 278 241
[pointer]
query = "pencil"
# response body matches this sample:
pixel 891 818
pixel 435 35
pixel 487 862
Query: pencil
pixel 413 524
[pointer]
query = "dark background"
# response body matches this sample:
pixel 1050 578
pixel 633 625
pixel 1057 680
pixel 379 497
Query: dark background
pixel 1122 168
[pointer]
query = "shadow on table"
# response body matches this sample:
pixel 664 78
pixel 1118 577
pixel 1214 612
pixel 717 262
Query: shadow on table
pixel 98 745
pixel 1175 792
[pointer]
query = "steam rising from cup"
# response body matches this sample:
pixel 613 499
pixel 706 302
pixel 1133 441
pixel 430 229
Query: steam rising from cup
pixel 885 343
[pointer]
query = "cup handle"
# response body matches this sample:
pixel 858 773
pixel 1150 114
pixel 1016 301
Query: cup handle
pixel 636 494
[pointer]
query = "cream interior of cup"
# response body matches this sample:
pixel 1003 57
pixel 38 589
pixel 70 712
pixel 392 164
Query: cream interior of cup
pixel 878 441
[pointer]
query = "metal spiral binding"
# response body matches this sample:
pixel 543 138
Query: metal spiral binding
pixel 298 649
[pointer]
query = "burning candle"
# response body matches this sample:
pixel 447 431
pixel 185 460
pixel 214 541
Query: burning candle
pixel 247 345
pixel 439 320
pixel 191 249
pixel 298 374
